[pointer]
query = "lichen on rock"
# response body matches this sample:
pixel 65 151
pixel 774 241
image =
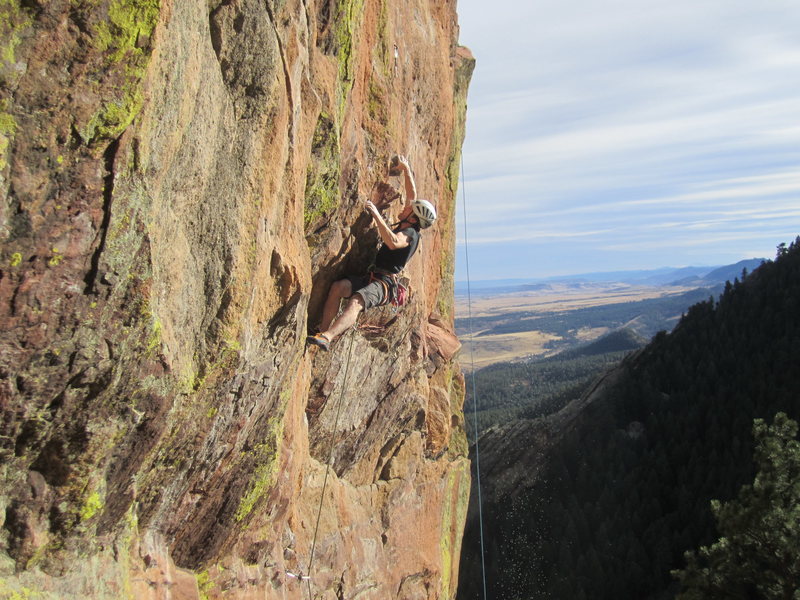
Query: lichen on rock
pixel 14 18
pixel 8 127
pixel 124 39
pixel 322 179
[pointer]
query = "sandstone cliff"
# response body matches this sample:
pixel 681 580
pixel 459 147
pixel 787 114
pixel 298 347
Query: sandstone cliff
pixel 181 181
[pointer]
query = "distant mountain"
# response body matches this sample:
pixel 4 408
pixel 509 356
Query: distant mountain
pixel 601 498
pixel 649 277
pixel 720 274
pixel 667 277
pixel 495 286
pixel 699 276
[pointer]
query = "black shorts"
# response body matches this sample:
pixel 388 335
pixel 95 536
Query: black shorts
pixel 373 294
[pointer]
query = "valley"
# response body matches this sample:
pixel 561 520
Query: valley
pixel 536 323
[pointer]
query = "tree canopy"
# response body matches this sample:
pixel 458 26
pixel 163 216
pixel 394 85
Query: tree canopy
pixel 758 553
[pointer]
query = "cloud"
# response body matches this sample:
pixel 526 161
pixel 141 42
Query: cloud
pixel 589 121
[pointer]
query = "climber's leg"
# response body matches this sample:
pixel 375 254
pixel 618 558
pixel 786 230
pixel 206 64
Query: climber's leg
pixel 339 289
pixel 347 319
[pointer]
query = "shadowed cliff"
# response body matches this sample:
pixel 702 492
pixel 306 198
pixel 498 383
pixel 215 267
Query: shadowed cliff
pixel 181 182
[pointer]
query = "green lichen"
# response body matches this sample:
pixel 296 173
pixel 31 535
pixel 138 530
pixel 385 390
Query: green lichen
pixel 130 24
pixel 204 585
pixel 125 542
pixel 13 19
pixel 384 56
pixel 115 116
pixel 463 74
pixel 91 506
pixel 285 396
pixel 459 445
pixel 455 501
pixel 7 592
pixel 322 177
pixel 125 38
pixel 190 381
pixel 265 456
pixel 444 300
pixel 8 127
pixel 156 329
pixel 16 259
pixel 4 143
pixel 445 538
pixel 56 258
pixel 349 18
pixel 195 378
pixel 119 226
pixel 377 105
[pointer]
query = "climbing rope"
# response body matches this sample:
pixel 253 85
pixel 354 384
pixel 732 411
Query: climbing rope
pixel 300 576
pixel 472 377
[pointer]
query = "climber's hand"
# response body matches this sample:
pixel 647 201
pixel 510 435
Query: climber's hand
pixel 371 208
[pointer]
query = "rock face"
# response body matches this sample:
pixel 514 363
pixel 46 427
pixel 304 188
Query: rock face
pixel 181 182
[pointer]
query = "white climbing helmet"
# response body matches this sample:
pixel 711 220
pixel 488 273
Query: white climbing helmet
pixel 425 212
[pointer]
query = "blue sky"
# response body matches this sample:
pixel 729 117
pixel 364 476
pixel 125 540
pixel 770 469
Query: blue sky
pixel 608 135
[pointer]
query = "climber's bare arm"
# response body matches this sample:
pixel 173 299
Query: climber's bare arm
pixel 408 179
pixel 393 240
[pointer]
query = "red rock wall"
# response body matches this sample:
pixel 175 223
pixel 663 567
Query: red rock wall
pixel 180 184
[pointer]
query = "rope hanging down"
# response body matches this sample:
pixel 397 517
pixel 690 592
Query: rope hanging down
pixel 301 576
pixel 472 377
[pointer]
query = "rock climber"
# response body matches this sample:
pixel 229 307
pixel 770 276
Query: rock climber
pixel 376 287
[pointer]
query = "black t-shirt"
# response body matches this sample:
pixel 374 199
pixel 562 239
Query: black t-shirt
pixel 393 261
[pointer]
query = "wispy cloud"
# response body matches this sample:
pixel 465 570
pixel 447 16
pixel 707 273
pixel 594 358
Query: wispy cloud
pixel 594 122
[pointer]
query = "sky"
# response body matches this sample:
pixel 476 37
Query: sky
pixel 607 135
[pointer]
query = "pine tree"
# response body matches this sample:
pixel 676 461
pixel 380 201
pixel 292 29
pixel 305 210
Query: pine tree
pixel 758 555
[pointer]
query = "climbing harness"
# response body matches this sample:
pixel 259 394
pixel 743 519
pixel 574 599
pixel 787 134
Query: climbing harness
pixel 307 577
pixel 472 377
pixel 395 292
pixel 385 282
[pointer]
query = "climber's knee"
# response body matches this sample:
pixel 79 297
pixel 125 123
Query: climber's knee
pixel 341 288
pixel 356 302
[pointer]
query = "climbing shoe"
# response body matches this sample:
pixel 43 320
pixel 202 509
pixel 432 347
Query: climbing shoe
pixel 319 340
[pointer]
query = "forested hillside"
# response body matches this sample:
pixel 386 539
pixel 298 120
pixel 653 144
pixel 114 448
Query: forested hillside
pixel 536 388
pixel 622 481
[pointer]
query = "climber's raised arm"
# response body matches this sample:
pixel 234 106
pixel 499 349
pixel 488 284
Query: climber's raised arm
pixel 393 240
pixel 408 180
